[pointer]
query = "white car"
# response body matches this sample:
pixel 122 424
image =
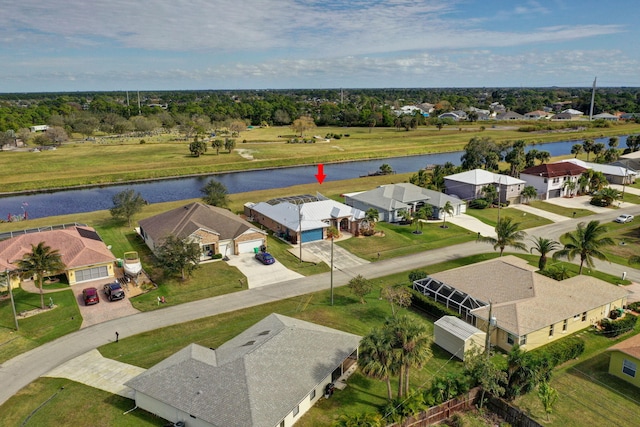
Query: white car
pixel 624 218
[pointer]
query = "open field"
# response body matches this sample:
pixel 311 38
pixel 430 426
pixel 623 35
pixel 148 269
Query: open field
pixel 109 160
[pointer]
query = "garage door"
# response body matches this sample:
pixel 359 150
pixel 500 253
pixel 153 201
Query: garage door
pixel 555 193
pixel 92 273
pixel 248 246
pixel 226 249
pixel 312 235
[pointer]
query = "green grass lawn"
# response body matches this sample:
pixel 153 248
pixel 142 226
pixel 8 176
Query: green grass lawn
pixel 39 329
pixel 280 250
pixel 490 217
pixel 627 241
pixel 400 240
pixel 560 210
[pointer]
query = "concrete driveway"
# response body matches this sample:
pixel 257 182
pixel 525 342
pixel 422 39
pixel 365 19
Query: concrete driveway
pixel 342 258
pixel 582 202
pixel 105 310
pixel 259 274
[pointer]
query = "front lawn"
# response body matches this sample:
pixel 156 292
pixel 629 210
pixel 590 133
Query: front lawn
pixel 490 217
pixel 560 210
pixel 280 250
pixel 399 240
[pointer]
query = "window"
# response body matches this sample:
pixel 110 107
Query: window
pixel 556 180
pixel 546 180
pixel 510 339
pixel 629 368
pixel 312 395
pixel 282 423
pixel 551 330
pixel 523 340
pixel 576 317
pixel 564 325
pixel 296 410
pixel 584 316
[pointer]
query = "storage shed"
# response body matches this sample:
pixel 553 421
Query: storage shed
pixel 457 336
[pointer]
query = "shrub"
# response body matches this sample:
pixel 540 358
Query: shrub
pixel 598 200
pixel 635 306
pixel 417 275
pixel 613 328
pixel 478 204
pixel 558 352
pixel 430 306
pixel 217 256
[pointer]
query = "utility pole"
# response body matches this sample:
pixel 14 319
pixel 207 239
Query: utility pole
pixel 13 304
pixel 332 269
pixel 487 341
pixel 300 228
pixel 499 191
pixel 593 96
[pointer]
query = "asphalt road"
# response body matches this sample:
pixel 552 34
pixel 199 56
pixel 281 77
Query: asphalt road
pixel 22 370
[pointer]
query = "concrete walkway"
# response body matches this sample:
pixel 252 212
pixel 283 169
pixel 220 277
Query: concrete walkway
pixel 25 368
pixel 626 188
pixel 99 372
pixel 472 224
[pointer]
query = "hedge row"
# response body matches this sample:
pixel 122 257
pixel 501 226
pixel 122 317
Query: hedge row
pixel 557 352
pixel 613 328
pixel 430 306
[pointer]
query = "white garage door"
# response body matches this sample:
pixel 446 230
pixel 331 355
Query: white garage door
pixel 92 273
pixel 226 249
pixel 248 246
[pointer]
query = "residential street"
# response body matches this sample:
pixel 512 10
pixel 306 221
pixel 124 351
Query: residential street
pixel 22 370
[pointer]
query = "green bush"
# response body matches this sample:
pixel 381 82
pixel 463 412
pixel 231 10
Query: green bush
pixel 478 204
pixel 430 306
pixel 217 256
pixel 557 352
pixel 635 306
pixel 613 328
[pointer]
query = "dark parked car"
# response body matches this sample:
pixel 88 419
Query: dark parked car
pixel 114 291
pixel 90 296
pixel 265 258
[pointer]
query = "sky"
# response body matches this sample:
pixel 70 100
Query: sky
pixel 80 45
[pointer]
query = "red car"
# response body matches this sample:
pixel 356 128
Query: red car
pixel 90 296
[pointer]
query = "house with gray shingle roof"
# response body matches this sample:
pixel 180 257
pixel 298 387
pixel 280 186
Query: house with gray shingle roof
pixel 85 256
pixel 468 185
pixel 216 230
pixel 390 199
pixel 529 309
pixel 267 376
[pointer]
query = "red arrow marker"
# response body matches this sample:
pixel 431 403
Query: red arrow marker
pixel 320 176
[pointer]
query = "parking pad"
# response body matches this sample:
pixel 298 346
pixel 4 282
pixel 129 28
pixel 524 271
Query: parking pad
pixel 105 310
pixel 259 274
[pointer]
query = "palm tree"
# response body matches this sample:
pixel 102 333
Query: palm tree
pixel 571 186
pixel 585 242
pixel 587 146
pixel 418 218
pixel 371 216
pixel 40 261
pixel 447 209
pixel 576 149
pixel 405 215
pixel 376 357
pixel 366 419
pixel 543 246
pixel 529 192
pixel 608 195
pixel 507 234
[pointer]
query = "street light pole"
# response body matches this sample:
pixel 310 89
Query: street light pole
pixel 332 269
pixel 13 305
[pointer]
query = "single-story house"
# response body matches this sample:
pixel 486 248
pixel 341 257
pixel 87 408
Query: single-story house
pixel 468 185
pixel 390 199
pixel 457 336
pixel 528 308
pixel 455 115
pixel 267 376
pixel 629 160
pixel 625 359
pixel 304 217
pixel 564 116
pixel 82 251
pixel 536 115
pixel 615 174
pixel 606 116
pixel 551 179
pixel 509 115
pixel 216 230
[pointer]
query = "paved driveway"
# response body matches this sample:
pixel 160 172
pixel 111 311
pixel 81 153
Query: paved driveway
pixel 582 202
pixel 259 274
pixel 105 310
pixel 342 258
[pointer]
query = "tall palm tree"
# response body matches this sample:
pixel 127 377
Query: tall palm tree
pixel 376 357
pixel 40 261
pixel 543 246
pixel 507 234
pixel 418 219
pixel 371 216
pixel 447 209
pixel 586 242
pixel 529 192
pixel 571 186
pixel 576 149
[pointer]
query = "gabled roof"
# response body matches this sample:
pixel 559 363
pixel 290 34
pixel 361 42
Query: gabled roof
pixel 629 346
pixel 523 300
pixel 78 246
pixel 458 327
pixel 184 221
pixel 314 214
pixel 254 379
pixel 483 177
pixel 552 170
pixel 573 112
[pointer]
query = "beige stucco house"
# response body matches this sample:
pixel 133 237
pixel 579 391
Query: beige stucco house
pixel 83 252
pixel 268 376
pixel 216 230
pixel 528 308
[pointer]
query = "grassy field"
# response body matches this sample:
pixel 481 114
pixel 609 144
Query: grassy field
pixel 490 216
pixel 122 159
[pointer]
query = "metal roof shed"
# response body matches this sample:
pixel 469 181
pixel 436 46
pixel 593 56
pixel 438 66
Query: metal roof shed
pixel 457 336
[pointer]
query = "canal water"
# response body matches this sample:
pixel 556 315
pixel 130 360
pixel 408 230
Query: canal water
pixel 99 198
